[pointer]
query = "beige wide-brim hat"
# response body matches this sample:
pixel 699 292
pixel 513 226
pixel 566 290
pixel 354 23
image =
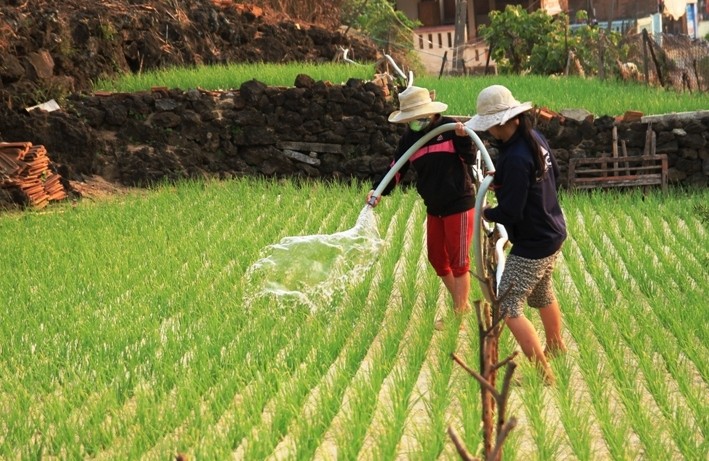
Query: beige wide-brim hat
pixel 415 102
pixel 496 106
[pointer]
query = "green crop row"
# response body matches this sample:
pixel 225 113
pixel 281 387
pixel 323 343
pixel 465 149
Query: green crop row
pixel 126 333
pixel 596 96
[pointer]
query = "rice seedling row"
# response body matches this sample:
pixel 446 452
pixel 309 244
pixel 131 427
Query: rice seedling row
pixel 330 214
pixel 383 349
pixel 290 404
pixel 357 350
pixel 682 326
pixel 407 348
pixel 137 342
pixel 611 418
pixel 659 383
pixel 628 331
pixel 572 396
pixel 176 416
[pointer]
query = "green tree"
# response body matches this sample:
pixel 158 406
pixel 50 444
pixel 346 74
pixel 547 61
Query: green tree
pixel 538 43
pixel 513 33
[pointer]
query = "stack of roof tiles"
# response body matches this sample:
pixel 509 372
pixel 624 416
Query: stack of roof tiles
pixel 26 168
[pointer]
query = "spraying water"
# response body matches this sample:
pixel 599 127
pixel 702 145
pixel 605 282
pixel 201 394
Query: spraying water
pixel 311 270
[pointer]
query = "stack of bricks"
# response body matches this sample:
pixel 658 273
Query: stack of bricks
pixel 26 168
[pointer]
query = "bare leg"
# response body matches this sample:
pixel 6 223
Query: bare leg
pixel 551 319
pixel 459 288
pixel 449 282
pixel 526 336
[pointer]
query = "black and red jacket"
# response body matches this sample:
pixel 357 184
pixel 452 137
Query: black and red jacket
pixel 442 170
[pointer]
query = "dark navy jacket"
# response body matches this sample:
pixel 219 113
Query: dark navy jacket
pixel 442 176
pixel 528 208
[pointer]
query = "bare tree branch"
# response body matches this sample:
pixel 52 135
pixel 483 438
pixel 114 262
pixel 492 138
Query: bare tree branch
pixel 460 446
pixel 506 361
pixel 501 437
pixel 484 382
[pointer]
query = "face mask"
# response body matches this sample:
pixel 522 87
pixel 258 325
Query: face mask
pixel 420 124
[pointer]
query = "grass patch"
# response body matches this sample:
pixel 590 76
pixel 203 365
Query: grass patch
pixel 460 93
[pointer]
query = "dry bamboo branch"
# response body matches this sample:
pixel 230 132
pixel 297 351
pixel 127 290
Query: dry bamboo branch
pixel 477 376
pixel 460 446
pixel 478 313
pixel 511 366
pixel 495 324
pixel 504 397
pixel 501 437
pixel 507 360
pixel 497 319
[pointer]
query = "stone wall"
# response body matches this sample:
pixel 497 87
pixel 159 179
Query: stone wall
pixel 683 137
pixel 314 130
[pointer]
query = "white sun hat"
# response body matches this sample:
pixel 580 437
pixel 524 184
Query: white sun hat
pixel 415 102
pixel 496 106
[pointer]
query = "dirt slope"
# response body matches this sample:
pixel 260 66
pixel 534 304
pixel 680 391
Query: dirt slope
pixel 49 48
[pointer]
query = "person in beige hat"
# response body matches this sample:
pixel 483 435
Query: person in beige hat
pixel 444 182
pixel 526 181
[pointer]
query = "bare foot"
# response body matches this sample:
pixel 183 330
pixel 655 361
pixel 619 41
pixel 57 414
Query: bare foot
pixel 547 374
pixel 552 351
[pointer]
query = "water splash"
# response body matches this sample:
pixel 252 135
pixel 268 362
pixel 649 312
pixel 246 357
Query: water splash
pixel 312 270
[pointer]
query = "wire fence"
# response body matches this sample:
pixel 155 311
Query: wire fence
pixel 672 61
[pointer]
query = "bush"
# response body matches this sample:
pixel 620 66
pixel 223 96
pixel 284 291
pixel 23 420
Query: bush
pixel 540 44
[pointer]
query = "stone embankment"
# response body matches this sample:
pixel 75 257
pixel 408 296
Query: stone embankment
pixel 311 130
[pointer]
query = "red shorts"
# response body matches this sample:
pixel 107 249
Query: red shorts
pixel 448 241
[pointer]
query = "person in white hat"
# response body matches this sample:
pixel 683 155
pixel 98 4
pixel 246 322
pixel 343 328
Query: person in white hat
pixel 525 185
pixel 444 182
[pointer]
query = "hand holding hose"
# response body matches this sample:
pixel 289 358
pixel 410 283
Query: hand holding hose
pixel 460 129
pixel 373 200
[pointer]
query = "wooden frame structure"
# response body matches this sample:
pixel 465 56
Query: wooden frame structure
pixel 627 171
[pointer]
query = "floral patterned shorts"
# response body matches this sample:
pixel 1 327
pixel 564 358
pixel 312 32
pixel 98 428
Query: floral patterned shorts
pixel 528 280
